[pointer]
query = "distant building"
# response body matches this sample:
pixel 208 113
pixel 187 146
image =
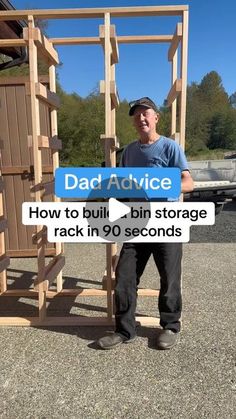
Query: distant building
pixel 11 56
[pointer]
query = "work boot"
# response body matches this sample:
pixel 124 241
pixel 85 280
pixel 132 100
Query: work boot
pixel 167 339
pixel 113 340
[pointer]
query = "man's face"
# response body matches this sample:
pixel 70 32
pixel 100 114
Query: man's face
pixel 145 120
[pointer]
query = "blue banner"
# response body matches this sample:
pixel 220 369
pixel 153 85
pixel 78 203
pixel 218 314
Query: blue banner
pixel 118 182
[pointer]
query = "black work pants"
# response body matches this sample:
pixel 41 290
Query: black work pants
pixel 132 261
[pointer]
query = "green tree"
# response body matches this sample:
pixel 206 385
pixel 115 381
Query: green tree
pixel 223 130
pixel 67 116
pixel 210 122
pixel 197 123
pixel 80 124
pixel 212 92
pixel 125 129
pixel 164 124
pixel 91 127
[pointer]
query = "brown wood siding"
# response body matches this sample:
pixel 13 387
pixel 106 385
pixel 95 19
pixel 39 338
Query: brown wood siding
pixel 17 160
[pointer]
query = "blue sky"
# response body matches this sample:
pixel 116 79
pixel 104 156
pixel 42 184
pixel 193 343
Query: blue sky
pixel 143 70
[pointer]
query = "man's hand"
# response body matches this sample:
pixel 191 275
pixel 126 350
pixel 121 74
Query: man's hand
pixel 187 184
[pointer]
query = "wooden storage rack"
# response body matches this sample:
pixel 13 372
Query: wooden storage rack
pixel 39 45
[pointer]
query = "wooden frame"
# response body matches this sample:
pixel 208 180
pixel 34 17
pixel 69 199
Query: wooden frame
pixel 4 259
pixel 40 45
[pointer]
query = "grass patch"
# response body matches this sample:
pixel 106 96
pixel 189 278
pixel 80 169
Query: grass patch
pixel 217 154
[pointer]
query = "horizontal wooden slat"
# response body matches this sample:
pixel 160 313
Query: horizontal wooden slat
pixel 147 321
pixel 4 262
pixel 86 292
pixel 148 292
pixel 94 12
pixel 46 142
pixel 20 80
pixel 56 321
pixel 29 253
pixel 142 292
pixel 45 47
pixel 50 98
pixel 53 269
pixel 175 42
pixel 92 40
pixel 127 39
pixel 113 39
pixel 19 321
pixel 174 91
pixel 12 43
pixel 18 170
pixel 71 321
pixel 46 188
pixel 143 39
pixel 3 224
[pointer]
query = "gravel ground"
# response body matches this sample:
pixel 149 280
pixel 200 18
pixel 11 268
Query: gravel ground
pixel 223 231
pixel 60 373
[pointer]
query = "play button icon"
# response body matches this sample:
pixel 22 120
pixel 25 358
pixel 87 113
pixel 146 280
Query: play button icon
pixel 112 218
pixel 117 209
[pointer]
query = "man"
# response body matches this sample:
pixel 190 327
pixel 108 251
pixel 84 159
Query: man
pixel 151 150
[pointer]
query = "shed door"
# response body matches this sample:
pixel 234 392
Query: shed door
pixel 17 161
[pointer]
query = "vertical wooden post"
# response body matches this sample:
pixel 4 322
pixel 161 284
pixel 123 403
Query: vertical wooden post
pixel 3 274
pixel 108 87
pixel 113 248
pixel 33 69
pixel 107 53
pixel 174 103
pixel 108 154
pixel 55 157
pixel 113 117
pixel 183 97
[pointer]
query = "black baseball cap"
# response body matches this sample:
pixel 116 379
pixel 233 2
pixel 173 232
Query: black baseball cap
pixel 143 101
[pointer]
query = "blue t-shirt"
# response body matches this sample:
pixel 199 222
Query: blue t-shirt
pixel 164 152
